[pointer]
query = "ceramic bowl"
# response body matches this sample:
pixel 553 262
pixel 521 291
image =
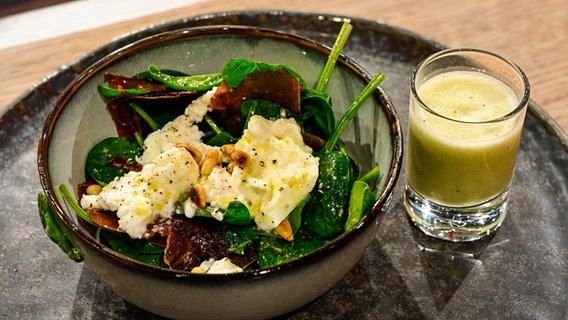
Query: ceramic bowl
pixel 78 119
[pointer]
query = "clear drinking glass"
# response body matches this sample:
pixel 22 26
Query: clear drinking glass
pixel 467 109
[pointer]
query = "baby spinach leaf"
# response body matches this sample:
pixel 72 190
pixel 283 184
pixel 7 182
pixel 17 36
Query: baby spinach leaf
pixel 361 200
pixel 326 212
pixel 236 213
pixel 240 237
pixel 275 250
pixel 110 158
pixel 54 230
pixel 137 249
pixel 317 113
pixel 295 217
pixel 264 108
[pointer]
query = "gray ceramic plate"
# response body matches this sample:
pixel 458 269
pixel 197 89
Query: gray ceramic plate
pixel 518 273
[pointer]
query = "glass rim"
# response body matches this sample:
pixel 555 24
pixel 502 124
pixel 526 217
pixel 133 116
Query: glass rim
pixel 524 101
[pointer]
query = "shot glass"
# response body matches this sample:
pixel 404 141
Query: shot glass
pixel 467 110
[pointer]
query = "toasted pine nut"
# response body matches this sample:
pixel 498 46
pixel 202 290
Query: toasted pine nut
pixel 231 166
pixel 212 159
pixel 197 195
pixel 195 153
pixel 228 148
pixel 93 189
pixel 240 158
pixel 284 229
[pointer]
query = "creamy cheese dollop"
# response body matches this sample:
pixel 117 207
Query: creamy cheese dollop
pixel 280 174
pixel 139 198
pixel 223 265
pixel 179 130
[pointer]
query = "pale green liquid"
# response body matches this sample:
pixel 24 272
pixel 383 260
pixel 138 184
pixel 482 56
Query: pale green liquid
pixel 462 164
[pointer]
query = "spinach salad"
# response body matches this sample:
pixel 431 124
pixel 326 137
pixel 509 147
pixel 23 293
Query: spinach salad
pixel 223 172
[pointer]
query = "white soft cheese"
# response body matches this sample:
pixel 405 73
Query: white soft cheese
pixel 179 130
pixel 280 174
pixel 219 266
pixel 139 198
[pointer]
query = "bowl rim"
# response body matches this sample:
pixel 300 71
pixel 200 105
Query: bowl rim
pixel 379 207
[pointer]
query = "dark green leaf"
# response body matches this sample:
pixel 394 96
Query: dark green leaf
pixel 295 217
pixel 111 158
pixel 236 213
pixel 317 113
pixel 137 249
pixel 264 108
pixel 54 229
pixel 275 250
pixel 326 212
pixel 240 237
pixel 220 139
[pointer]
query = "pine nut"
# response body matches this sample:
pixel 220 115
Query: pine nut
pixel 228 148
pixel 197 195
pixel 284 229
pixel 231 166
pixel 212 159
pixel 195 153
pixel 240 158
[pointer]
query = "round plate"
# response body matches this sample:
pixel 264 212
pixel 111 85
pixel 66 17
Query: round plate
pixel 519 272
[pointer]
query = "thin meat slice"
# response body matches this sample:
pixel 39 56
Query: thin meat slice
pixel 276 86
pixel 191 241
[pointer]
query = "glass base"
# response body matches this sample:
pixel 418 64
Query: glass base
pixel 455 224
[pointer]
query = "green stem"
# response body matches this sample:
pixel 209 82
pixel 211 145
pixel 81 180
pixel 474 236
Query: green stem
pixel 74 205
pixel 139 139
pixel 371 175
pixel 333 56
pixel 153 124
pixel 350 113
pixel 212 124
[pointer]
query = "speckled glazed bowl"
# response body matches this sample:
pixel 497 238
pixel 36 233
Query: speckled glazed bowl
pixel 79 119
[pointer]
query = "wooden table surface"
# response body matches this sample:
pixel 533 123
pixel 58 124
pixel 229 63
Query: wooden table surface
pixel 534 34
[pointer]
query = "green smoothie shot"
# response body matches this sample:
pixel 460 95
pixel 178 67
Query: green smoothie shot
pixel 448 162
pixel 465 127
